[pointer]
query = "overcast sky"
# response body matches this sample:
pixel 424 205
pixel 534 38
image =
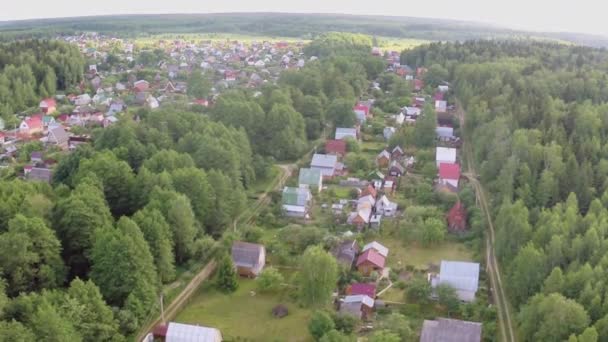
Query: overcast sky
pixel 586 16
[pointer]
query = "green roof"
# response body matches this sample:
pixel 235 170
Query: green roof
pixel 295 196
pixel 310 177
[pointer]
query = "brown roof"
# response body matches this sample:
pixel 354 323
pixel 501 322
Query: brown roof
pixel 335 146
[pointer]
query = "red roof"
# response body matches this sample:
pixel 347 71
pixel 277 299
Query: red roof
pixel 63 117
pixel 449 171
pixel 457 217
pixel 373 257
pixel 160 330
pixel 46 103
pixel 34 121
pixel 439 96
pixel 363 289
pixel 418 84
pixel 335 146
pixel 201 102
pixel 363 108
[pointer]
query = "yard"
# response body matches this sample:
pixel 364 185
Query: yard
pixel 245 315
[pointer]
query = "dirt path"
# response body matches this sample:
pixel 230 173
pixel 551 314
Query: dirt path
pixel 498 293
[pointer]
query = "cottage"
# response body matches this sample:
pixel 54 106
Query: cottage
pixel 311 178
pixel 443 88
pixel 325 163
pixel 445 155
pixel 388 132
pixel 462 276
pixel 369 190
pixel 370 261
pixel 141 86
pixel 397 153
pixel 366 201
pixel 36 157
pixel 152 102
pixel 31 125
pixel 375 220
pixel 83 100
pixel 362 289
pixel 444 133
pixel 360 306
pixel 48 106
pixel 441 106
pixel 386 207
pixel 335 147
pixel 296 202
pixel 448 330
pixel 346 252
pixel 249 258
pixel 47 121
pixel 396 169
pixel 375 245
pixel 343 133
pixel 449 174
pixel 57 136
pixel 177 332
pixel 361 112
pixel 457 218
pixel 40 174
pixel 399 118
pixel 383 159
pixel 418 84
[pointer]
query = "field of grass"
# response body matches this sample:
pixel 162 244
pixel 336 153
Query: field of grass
pixel 401 255
pixel 261 185
pixel 247 316
pixel 400 44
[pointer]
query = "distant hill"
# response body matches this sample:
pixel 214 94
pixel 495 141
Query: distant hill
pixel 281 24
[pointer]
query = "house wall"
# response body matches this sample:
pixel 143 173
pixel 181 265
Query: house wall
pixel 367 268
pixel 452 182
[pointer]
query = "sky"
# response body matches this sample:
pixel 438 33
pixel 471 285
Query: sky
pixel 585 16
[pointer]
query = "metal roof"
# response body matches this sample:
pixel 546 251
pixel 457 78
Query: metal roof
pixel 378 247
pixel 310 176
pixel 450 330
pixel 178 332
pixel 462 276
pixel 324 160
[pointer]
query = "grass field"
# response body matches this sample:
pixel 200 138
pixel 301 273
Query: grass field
pixel 261 185
pixel 245 316
pixel 401 255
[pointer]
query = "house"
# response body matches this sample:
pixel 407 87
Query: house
pixel 48 106
pixel 249 258
pixel 396 169
pixel 360 306
pixel 462 276
pixel 448 330
pixel 47 121
pixel 414 111
pixel 445 155
pixel 311 178
pixel 346 252
pixel 418 84
pixel 296 202
pixel 361 112
pixel 325 163
pixel 31 125
pixel 152 102
pixel 419 101
pixel 57 136
pixel 399 118
pixel 444 133
pixel 343 133
pixel 457 218
pixel 397 153
pixel 370 261
pixel 369 190
pixel 443 88
pixel 230 75
pixel 383 159
pixel 177 332
pixel 388 132
pixel 441 106
pixel 40 174
pixel 141 86
pixel 362 289
pixel 36 157
pixel 386 207
pixel 449 173
pixel 366 201
pixel 375 245
pixel 335 147
pixel 388 186
pixel 83 100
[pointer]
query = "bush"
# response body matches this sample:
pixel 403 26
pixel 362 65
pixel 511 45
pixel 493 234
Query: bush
pixel 253 234
pixel 269 280
pixel 419 290
pixel 345 323
pixel 320 324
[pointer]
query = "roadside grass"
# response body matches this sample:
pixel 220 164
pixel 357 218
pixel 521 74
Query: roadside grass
pixel 245 315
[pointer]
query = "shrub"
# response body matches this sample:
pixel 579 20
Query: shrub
pixel 320 324
pixel 269 280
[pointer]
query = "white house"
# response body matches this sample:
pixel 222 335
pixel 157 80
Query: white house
pixel 386 207
pixel 444 133
pixel 326 163
pixel 441 106
pixel 343 133
pixel 462 276
pixel 445 155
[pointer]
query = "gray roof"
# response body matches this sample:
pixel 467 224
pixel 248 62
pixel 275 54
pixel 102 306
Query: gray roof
pixel 352 309
pixel 310 176
pixel 341 133
pixel 450 330
pixel 58 135
pixel 40 174
pixel 462 276
pixel 324 160
pixel 346 252
pixel 246 254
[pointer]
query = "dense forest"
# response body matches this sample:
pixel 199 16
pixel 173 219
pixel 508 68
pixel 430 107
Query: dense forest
pixel 35 69
pixel 278 24
pixel 537 118
pixel 84 259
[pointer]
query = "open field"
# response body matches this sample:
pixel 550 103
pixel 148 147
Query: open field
pixel 244 315
pixel 401 255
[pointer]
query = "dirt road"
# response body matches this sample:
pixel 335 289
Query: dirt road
pixel 500 299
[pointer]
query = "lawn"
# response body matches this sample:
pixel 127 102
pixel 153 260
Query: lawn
pixel 261 185
pixel 246 316
pixel 401 255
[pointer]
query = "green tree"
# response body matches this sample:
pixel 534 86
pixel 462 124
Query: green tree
pixel 589 335
pixel 513 229
pixel 14 331
pixel 340 113
pixel 318 276
pixel 424 132
pixel 227 278
pixel 419 290
pixel 30 257
pixel 447 297
pixel 335 336
pixel 320 324
pixel 157 233
pixel 199 85
pixel 49 325
pixel 433 232
pixel 269 280
pixel 554 282
pixel 398 324
pixel 528 273
pixel 384 336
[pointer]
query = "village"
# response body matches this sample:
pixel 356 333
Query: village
pixel 370 195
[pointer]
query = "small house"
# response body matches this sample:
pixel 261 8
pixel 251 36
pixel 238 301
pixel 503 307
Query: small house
pixel 326 163
pixel 40 174
pixel 443 88
pixel 36 157
pixel 311 178
pixel 141 86
pixel 444 133
pixel 83 100
pixel 462 276
pixel 445 329
pixel 457 218
pixel 383 159
pixel 388 132
pixel 386 207
pixel 31 125
pixel 441 106
pixel 360 306
pixel 335 147
pixel 346 252
pixel 369 190
pixel 343 133
pixel 370 261
pixel 249 258
pixel 48 106
pixel 296 201
pixel 397 153
pixel 177 332
pixel 375 245
pixel 361 112
pixel 396 169
pixel 445 155
pixel 362 289
pixel 449 174
pixel 57 136
pixel 360 218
